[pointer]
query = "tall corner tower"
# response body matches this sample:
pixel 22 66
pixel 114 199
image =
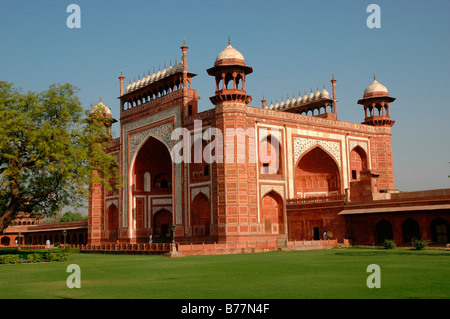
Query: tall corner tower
pixel 376 101
pixel 96 199
pixel 235 177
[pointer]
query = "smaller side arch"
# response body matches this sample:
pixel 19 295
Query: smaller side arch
pixel 439 231
pixel 384 231
pixel 162 220
pixel 411 230
pixel 270 154
pixel 358 162
pixel 272 213
pixel 200 217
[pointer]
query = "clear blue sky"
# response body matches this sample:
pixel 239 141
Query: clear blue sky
pixel 292 46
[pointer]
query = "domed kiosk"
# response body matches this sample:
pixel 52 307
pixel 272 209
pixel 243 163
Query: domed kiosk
pixel 229 71
pixel 376 101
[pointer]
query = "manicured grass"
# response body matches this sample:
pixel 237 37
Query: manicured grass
pixel 335 273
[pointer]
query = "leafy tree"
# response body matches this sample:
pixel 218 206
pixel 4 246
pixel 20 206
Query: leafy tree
pixel 50 151
pixel 70 217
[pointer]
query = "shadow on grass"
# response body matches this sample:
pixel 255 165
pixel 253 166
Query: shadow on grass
pixel 373 251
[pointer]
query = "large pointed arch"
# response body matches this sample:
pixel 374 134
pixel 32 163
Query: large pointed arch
pixel 135 135
pixel 152 165
pixel 317 174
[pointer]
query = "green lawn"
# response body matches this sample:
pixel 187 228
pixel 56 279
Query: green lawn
pixel 336 273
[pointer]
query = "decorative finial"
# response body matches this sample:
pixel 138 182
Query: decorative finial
pixel 374 77
pixel 229 40
pixel 333 75
pixel 184 41
pixel 100 98
pixel 121 72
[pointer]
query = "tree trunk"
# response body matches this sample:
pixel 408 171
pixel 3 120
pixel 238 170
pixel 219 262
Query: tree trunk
pixel 7 217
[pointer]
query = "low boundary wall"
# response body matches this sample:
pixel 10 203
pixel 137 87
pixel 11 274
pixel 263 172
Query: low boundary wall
pixel 212 248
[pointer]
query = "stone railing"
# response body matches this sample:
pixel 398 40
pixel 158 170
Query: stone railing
pixel 157 247
pixel 317 199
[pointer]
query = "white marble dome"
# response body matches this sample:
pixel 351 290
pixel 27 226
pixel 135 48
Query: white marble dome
pixel 100 107
pixel 230 53
pixel 325 94
pixel 375 86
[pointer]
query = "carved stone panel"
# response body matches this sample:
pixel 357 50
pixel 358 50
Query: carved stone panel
pixel 268 188
pixel 301 145
pixel 196 191
pixel 362 144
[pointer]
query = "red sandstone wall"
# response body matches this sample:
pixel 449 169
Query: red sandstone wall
pixel 235 183
pixel 361 229
pixel 382 163
pixel 96 213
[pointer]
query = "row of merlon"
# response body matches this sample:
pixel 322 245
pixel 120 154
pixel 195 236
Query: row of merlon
pixel 156 76
pixel 300 100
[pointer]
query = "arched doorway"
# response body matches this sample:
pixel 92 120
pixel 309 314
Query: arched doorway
pixel 270 156
pixel 162 181
pixel 358 162
pixel 5 241
pixel 411 230
pixel 439 231
pixel 200 215
pixel 151 176
pixel 112 224
pixel 161 225
pixel 316 174
pixel 198 167
pixel 272 213
pixel 384 231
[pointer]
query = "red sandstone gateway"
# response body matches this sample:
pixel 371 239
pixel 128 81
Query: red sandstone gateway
pixel 330 175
